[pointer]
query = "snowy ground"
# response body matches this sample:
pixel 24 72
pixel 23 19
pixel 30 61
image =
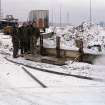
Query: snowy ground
pixel 18 88
pixel 68 34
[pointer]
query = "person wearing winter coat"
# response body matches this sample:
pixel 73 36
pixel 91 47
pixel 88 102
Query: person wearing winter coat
pixel 23 36
pixel 34 35
pixel 15 41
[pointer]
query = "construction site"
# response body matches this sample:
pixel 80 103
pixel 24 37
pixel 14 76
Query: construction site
pixel 57 54
pixel 47 59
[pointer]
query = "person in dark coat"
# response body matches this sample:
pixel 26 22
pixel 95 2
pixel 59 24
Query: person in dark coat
pixel 29 31
pixel 34 35
pixel 15 41
pixel 23 36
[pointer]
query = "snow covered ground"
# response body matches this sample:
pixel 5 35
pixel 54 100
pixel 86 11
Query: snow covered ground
pixel 18 88
pixel 90 36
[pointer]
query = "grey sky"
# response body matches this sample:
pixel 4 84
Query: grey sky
pixel 78 9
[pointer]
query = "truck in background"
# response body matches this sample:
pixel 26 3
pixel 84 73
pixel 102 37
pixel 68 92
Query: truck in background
pixel 7 23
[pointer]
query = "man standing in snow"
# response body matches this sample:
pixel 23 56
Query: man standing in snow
pixel 34 34
pixel 23 36
pixel 29 27
pixel 15 41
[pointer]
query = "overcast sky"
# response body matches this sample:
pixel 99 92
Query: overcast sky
pixel 78 10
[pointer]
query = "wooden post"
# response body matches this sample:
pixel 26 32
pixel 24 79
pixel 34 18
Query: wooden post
pixel 81 51
pixel 41 44
pixel 58 46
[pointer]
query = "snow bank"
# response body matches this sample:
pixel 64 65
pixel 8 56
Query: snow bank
pixel 94 35
pixel 5 41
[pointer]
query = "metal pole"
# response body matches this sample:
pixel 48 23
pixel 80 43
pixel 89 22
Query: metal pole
pixel 52 17
pixel 58 46
pixel 41 44
pixel 90 13
pixel 0 10
pixel 60 18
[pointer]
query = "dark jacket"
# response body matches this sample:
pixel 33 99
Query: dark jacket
pixel 23 33
pixel 34 32
pixel 15 37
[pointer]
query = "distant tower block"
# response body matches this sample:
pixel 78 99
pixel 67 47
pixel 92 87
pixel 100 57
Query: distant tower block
pixel 68 18
pixel 52 17
pixel 41 17
pixel 60 17
pixel 0 10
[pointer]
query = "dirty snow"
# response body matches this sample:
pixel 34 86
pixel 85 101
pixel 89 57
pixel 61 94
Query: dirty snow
pixel 18 88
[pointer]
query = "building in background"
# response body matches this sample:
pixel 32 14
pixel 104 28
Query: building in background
pixel 41 17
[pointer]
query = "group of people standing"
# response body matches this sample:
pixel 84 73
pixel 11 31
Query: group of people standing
pixel 24 38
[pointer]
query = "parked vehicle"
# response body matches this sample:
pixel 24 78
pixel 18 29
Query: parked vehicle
pixel 7 23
